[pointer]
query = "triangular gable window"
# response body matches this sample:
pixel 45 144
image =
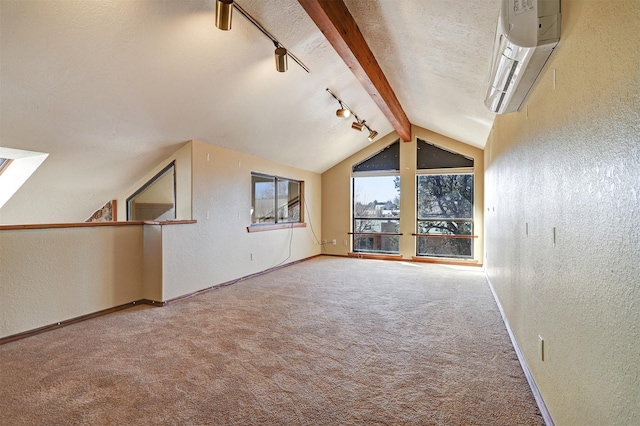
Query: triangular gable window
pixel 434 157
pixel 387 160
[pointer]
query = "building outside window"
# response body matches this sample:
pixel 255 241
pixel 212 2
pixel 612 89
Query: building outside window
pixel 376 203
pixel 275 199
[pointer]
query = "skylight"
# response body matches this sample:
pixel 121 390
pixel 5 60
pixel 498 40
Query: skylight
pixel 16 166
pixel 4 162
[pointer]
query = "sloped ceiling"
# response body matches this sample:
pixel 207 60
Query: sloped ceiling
pixel 109 88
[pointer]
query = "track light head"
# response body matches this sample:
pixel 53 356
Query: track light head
pixel 359 123
pixel 281 59
pixel 343 112
pixel 356 125
pixel 224 9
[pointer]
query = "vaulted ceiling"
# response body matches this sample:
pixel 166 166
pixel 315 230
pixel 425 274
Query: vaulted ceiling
pixel 109 88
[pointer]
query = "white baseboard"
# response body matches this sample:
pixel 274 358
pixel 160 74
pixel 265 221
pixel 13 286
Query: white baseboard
pixel 546 416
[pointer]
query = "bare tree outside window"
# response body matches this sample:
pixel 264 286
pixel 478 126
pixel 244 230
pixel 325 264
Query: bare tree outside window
pixel 445 211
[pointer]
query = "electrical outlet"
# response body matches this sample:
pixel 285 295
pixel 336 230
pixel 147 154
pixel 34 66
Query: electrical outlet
pixel 251 256
pixel 541 348
pixel 333 242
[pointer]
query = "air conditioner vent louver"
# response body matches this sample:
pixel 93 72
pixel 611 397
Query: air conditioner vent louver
pixel 527 33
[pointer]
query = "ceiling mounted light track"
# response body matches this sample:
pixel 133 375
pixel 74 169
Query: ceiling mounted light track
pixel 359 124
pixel 223 22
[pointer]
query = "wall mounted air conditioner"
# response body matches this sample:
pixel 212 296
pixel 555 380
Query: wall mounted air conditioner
pixel 528 31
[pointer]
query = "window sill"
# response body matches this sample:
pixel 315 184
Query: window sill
pixel 271 227
pixel 446 261
pixel 93 224
pixel 377 256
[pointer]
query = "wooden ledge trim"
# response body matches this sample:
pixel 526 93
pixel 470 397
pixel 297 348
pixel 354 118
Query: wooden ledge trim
pixel 375 256
pixel 92 224
pixel 271 227
pixel 418 259
pixel 447 261
pixel 444 235
pixel 169 222
pixel 375 233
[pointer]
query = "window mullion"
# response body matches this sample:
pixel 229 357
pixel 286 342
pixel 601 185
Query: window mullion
pixel 275 200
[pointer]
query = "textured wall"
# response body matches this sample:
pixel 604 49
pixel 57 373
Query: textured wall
pixel 218 248
pixel 571 162
pixel 52 275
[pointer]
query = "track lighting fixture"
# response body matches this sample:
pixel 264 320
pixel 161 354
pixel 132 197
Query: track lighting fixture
pixel 223 21
pixel 224 9
pixel 281 59
pixel 343 112
pixel 359 124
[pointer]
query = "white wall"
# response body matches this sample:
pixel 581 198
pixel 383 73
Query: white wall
pixel 218 248
pixel 52 275
pixel 573 165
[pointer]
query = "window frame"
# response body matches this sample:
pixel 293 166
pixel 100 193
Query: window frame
pixel 277 223
pixel 438 172
pixel 380 235
pixel 151 182
pixel 4 164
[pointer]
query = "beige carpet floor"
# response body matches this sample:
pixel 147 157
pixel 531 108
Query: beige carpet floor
pixel 330 341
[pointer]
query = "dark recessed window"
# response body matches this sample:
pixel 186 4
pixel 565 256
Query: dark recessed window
pixel 431 156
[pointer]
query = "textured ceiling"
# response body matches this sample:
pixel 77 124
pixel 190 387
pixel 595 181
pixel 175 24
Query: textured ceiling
pixel 110 88
pixel 435 54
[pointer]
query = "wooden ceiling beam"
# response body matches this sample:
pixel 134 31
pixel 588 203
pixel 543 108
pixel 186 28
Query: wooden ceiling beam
pixel 336 23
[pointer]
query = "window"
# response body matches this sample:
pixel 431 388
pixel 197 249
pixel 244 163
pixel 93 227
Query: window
pixel 376 203
pixel 156 199
pixel 275 200
pixel 444 203
pixel 16 166
pixel 4 163
pixel 376 214
pixel 445 215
